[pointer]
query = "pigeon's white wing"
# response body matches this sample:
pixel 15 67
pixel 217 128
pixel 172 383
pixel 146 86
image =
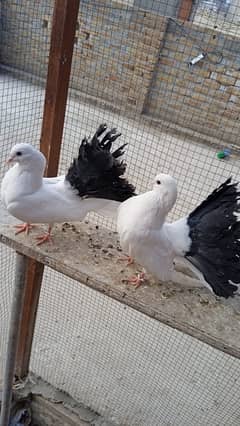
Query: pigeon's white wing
pixel 104 207
pixel 108 209
pixel 54 203
pixel 178 234
pixel 54 180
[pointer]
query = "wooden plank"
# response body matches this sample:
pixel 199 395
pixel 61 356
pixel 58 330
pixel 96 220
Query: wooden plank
pixel 51 406
pixel 47 413
pixel 185 10
pixel 91 257
pixel 59 68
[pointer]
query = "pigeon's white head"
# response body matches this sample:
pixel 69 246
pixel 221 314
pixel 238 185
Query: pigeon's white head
pixel 26 155
pixel 165 187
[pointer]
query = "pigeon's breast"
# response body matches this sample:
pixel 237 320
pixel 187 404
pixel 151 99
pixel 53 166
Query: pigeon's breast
pixel 8 186
pixel 131 226
pixel 18 183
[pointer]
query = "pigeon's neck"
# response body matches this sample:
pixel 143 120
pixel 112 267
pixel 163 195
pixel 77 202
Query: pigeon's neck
pixel 34 170
pixel 36 166
pixel 165 200
pixel 29 177
pixel 156 210
pixel 153 212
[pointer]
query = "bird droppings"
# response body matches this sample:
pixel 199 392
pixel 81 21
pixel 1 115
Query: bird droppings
pixel 204 301
pixel 66 226
pixel 95 245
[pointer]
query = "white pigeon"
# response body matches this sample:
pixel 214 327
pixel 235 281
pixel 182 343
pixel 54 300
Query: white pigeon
pixel 94 183
pixel 208 238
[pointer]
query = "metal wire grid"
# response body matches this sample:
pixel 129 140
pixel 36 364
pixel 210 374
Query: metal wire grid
pixel 104 35
pixel 222 15
pixel 197 94
pixel 21 110
pixel 24 48
pixel 130 369
pixel 25 35
pixel 6 278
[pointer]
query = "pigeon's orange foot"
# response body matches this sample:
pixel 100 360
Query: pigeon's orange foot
pixel 45 238
pixel 127 259
pixel 24 227
pixel 138 279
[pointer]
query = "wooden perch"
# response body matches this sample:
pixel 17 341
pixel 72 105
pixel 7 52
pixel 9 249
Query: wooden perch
pixel 91 256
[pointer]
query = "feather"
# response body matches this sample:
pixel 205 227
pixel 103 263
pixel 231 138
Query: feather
pixel 97 171
pixel 215 234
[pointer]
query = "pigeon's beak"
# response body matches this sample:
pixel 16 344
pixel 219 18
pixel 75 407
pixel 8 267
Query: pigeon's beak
pixel 9 160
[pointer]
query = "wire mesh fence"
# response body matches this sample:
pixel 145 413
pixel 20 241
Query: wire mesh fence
pixel 172 88
pixel 128 367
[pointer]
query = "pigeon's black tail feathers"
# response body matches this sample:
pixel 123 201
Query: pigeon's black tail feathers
pixel 98 171
pixel 215 239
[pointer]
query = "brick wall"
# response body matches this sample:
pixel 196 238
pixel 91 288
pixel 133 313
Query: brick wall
pixel 205 98
pixel 115 48
pixel 136 60
pixel 24 38
pixel 115 52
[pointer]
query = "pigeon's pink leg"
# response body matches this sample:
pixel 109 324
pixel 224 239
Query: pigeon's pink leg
pixel 127 259
pixel 138 279
pixel 24 227
pixel 45 237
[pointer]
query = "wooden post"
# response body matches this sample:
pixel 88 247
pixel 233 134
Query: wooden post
pixel 185 10
pixel 60 59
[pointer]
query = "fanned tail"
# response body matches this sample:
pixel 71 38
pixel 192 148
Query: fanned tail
pixel 98 172
pixel 215 239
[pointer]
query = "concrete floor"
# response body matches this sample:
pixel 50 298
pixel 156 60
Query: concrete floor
pixel 131 369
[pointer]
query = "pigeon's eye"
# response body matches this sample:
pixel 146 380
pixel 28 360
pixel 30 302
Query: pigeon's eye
pixel 158 182
pixel 18 153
